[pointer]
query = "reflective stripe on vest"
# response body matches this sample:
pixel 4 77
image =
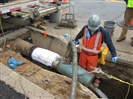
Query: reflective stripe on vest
pixel 96 43
pixel 130 4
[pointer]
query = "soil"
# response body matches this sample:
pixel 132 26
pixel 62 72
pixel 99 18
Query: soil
pixel 60 86
pixel 7 92
pixel 56 84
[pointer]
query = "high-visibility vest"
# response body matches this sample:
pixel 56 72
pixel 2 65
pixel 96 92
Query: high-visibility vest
pixel 92 45
pixel 130 4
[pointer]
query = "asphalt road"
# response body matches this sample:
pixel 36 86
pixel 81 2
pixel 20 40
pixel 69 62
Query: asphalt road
pixel 106 9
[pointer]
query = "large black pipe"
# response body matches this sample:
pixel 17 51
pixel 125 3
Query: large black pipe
pixel 24 47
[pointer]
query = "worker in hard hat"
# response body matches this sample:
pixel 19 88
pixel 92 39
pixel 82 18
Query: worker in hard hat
pixel 93 36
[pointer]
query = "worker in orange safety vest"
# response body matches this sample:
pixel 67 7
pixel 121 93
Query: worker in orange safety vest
pixel 93 36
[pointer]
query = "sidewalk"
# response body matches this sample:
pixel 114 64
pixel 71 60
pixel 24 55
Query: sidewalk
pixel 22 85
pixel 124 48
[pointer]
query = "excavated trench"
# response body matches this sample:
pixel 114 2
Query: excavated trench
pixel 111 88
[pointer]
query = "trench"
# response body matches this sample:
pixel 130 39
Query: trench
pixel 112 89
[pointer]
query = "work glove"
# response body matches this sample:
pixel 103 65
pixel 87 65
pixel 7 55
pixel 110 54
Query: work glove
pixel 13 63
pixel 66 35
pixel 114 59
pixel 12 66
pixel 88 35
pixel 76 43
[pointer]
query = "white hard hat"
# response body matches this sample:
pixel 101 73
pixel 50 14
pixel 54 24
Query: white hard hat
pixel 94 22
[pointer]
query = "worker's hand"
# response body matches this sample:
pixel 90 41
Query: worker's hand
pixel 76 43
pixel 114 59
pixel 88 35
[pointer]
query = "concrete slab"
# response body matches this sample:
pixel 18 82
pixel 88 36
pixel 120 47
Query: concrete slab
pixel 22 85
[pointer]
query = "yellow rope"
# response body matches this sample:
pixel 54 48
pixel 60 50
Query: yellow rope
pixel 129 84
pixel 115 78
pixel 127 91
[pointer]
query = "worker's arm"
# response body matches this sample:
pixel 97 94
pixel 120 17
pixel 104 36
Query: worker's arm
pixel 80 34
pixel 107 39
pixel 126 1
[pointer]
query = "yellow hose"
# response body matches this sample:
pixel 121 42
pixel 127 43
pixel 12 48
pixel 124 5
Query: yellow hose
pixel 129 84
pixel 115 78
pixel 127 91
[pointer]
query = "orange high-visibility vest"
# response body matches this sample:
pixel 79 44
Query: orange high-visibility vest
pixel 93 45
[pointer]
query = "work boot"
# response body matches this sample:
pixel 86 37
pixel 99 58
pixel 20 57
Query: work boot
pixel 120 39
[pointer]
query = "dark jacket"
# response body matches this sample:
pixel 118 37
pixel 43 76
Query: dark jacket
pixel 105 38
pixel 126 1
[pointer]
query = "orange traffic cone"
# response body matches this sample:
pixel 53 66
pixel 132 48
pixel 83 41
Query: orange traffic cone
pixel 131 23
pixel 45 34
pixel 64 0
pixel 120 23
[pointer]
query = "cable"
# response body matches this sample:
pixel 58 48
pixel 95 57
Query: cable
pixel 129 84
pixel 127 91
pixel 3 34
pixel 115 78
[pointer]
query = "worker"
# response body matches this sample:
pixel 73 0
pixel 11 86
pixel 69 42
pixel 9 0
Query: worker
pixel 93 36
pixel 127 19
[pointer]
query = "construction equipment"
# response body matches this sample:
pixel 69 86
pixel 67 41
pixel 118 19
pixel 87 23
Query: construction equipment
pixel 69 21
pixel 31 10
pixel 27 9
